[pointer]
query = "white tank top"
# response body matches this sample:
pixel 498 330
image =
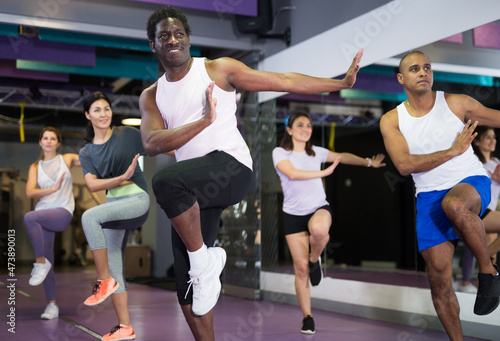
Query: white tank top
pixel 434 132
pixel 182 102
pixel 495 186
pixel 48 174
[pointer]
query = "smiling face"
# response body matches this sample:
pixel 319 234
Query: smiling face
pixel 49 142
pixel 301 130
pixel 415 73
pixel 487 142
pixel 100 114
pixel 171 43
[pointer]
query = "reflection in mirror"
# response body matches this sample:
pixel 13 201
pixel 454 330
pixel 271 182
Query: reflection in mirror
pixel 369 206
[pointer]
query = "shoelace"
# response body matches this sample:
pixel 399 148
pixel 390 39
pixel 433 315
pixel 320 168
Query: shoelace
pixel 115 329
pixel 35 268
pixel 191 281
pixel 95 287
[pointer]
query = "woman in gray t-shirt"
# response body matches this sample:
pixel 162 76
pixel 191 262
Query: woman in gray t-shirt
pixel 109 162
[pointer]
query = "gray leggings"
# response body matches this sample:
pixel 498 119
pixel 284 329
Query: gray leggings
pixel 108 225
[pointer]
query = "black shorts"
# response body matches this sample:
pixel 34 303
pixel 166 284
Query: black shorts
pixel 299 223
pixel 216 181
pixel 486 211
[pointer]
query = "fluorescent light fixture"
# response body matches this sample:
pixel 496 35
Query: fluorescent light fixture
pixel 131 121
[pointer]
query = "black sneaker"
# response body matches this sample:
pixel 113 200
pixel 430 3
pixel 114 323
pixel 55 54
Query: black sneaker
pixel 488 293
pixel 315 272
pixel 308 325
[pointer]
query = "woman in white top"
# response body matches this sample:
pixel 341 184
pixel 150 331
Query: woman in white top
pixel 484 146
pixel 50 181
pixel 306 213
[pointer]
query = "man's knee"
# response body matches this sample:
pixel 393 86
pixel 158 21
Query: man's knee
pixel 452 206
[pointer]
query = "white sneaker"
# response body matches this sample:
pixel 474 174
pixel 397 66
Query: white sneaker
pixel 51 312
pixel 39 272
pixel 469 288
pixel 206 283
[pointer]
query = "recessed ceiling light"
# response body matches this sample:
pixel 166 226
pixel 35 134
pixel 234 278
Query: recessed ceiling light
pixel 131 121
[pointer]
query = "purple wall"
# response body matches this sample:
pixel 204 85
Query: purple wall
pixel 487 36
pixel 456 38
pixel 243 7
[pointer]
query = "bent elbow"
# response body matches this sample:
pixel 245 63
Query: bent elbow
pixel 150 150
pixel 404 170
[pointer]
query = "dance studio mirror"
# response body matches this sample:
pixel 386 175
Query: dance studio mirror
pixel 372 236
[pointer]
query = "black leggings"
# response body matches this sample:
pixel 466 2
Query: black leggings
pixel 215 181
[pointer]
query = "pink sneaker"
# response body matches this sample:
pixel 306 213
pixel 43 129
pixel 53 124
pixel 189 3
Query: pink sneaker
pixel 120 332
pixel 101 290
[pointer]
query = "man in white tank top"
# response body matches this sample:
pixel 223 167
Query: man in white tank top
pixel 429 136
pixel 179 114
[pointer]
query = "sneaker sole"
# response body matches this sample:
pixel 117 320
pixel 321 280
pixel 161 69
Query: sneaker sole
pixel 38 282
pixel 309 332
pixel 487 312
pixel 104 297
pixel 123 338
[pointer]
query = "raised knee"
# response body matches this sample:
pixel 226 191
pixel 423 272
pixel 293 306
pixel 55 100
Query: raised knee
pixel 29 218
pixel 319 232
pixel 87 219
pixel 452 206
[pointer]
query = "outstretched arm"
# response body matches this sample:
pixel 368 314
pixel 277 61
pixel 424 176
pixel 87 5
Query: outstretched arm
pixel 229 74
pixel 158 140
pixel 407 163
pixel 350 159
pixel 473 110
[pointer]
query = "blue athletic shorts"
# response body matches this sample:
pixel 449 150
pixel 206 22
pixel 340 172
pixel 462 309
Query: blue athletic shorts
pixel 432 225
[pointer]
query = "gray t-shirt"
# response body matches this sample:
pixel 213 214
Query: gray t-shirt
pixel 113 157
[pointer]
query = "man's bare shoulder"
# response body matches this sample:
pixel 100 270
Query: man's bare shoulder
pixel 151 88
pixel 389 118
pixel 222 63
pixel 455 99
pixel 460 104
pixel 149 92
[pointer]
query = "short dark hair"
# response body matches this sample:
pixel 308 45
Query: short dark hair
pixel 164 13
pixel 406 55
